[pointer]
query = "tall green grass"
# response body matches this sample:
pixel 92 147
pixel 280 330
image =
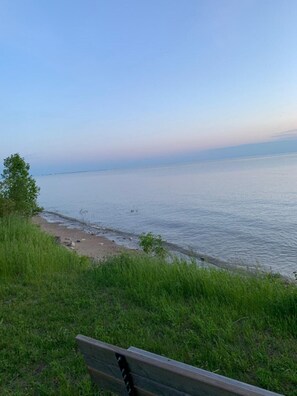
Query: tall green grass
pixel 243 327
pixel 27 253
pixel 147 278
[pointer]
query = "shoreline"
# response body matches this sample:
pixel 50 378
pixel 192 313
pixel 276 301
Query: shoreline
pixel 96 247
pixel 115 239
pixel 100 243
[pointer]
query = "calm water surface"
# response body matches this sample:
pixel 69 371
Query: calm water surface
pixel 242 211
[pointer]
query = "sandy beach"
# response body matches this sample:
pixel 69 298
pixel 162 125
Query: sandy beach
pixel 83 243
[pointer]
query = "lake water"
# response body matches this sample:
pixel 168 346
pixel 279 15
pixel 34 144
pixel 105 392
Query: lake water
pixel 240 211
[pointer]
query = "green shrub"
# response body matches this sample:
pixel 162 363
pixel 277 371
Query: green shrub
pixel 152 244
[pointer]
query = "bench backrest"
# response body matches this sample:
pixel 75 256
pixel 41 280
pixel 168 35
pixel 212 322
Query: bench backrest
pixel 136 372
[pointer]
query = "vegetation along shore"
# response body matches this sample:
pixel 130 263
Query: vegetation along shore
pixel 83 243
pixel 243 327
pixel 238 326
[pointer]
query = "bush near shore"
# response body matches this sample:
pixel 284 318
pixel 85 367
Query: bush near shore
pixel 239 326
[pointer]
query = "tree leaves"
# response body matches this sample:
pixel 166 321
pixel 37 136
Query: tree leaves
pixel 18 189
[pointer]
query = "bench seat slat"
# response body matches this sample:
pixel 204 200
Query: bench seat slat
pixel 180 381
pixel 108 369
pixel 206 377
pixel 156 388
pixel 104 381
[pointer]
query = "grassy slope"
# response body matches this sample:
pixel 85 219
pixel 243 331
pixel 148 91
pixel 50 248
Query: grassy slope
pixel 241 327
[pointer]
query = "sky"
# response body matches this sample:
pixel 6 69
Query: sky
pixel 94 84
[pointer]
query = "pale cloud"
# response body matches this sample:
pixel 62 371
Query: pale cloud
pixel 286 135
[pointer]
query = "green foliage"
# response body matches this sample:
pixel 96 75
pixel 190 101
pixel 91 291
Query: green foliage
pixel 18 190
pixel 243 327
pixel 152 244
pixel 6 206
pixel 26 253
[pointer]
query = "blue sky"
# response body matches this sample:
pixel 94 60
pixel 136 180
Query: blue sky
pixel 94 84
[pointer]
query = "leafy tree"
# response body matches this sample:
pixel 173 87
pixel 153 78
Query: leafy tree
pixel 18 190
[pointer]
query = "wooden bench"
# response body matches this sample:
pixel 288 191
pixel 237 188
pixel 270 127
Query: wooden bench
pixel 136 372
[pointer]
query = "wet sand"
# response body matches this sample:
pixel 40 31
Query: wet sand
pixel 83 243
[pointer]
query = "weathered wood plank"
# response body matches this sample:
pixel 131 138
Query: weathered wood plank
pixel 103 366
pixel 90 346
pixel 181 381
pixel 154 388
pixel 108 369
pixel 210 378
pixel 154 374
pixel 104 381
